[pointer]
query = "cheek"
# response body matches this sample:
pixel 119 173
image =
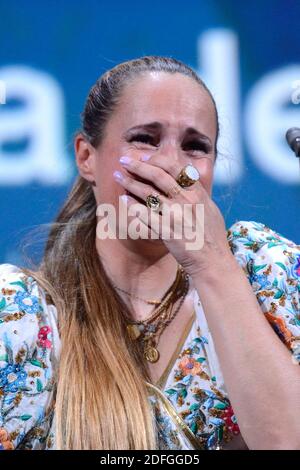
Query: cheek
pixel 108 161
pixel 206 169
pixel 106 189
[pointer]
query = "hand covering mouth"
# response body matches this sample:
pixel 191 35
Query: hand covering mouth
pixel 142 180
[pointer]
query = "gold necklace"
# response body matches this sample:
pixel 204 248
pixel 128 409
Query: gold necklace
pixel 151 352
pixel 151 302
pixel 151 329
pixel 156 312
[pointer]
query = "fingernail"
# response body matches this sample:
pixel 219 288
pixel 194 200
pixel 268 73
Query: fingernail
pixel 117 175
pixel 145 158
pixel 124 198
pixel 125 160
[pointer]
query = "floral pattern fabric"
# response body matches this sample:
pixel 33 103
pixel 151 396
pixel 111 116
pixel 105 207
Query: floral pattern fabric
pixel 28 348
pixel 191 406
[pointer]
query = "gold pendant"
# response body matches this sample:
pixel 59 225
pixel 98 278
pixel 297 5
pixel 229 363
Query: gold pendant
pixel 151 354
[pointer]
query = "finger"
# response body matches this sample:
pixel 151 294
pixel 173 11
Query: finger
pixel 147 216
pixel 171 166
pixel 163 173
pixel 163 181
pixel 137 188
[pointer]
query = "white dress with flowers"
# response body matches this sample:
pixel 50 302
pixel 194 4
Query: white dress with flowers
pixel 190 401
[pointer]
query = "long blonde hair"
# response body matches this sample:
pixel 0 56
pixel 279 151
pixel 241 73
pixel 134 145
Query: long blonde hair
pixel 101 397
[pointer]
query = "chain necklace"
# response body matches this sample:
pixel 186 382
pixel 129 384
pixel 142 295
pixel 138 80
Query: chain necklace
pixel 151 340
pixel 164 304
pixel 152 302
pixel 150 329
pixel 149 302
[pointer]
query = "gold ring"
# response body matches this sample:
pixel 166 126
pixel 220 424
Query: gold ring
pixel 188 176
pixel 153 202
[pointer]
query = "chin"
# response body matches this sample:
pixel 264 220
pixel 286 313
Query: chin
pixel 156 241
pixel 150 245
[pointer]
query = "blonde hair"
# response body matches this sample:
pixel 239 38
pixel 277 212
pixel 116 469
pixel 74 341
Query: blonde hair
pixel 101 395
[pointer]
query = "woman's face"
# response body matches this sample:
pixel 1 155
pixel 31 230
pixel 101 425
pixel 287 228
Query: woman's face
pixel 162 115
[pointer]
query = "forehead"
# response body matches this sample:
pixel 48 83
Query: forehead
pixel 175 99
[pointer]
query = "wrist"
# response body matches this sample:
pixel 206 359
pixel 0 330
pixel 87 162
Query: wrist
pixel 215 268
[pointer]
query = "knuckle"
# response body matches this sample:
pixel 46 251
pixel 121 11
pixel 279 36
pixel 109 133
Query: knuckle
pixel 173 169
pixel 154 174
pixel 163 174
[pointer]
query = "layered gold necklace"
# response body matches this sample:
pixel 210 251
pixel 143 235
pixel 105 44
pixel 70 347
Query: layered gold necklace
pixel 149 331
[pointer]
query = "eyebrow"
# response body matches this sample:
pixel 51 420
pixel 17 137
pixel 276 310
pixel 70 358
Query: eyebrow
pixel 155 126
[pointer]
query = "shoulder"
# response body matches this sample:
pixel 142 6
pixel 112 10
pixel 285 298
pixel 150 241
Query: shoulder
pixel 251 242
pixel 261 250
pixel 272 265
pixel 251 237
pixel 25 316
pixel 28 351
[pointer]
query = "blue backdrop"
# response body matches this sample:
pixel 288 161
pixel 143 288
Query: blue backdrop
pixel 53 51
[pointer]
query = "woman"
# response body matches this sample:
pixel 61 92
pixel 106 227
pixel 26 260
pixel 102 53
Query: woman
pixel 139 342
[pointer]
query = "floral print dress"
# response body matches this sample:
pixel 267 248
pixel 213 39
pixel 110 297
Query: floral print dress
pixel 190 402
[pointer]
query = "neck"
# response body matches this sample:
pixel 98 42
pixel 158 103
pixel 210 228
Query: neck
pixel 143 271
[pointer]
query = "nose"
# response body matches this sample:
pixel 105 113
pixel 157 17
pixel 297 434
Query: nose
pixel 172 151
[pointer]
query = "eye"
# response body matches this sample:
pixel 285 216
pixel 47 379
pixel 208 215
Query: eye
pixel 197 145
pixel 145 138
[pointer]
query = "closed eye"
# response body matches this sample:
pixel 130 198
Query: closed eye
pixel 145 138
pixel 196 145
